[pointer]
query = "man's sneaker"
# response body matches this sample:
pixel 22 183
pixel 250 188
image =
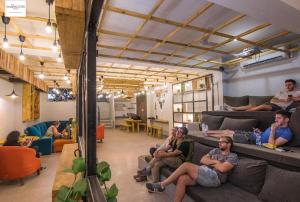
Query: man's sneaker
pixel 142 172
pixel 154 187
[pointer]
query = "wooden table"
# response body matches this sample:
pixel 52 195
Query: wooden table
pixel 132 122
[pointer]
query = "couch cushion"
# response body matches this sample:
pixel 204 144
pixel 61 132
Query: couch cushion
pixel 226 192
pixel 238 124
pixel 236 101
pixel 259 100
pixel 34 131
pixel 295 126
pixel 199 151
pixel 249 175
pixel 213 122
pixel 280 185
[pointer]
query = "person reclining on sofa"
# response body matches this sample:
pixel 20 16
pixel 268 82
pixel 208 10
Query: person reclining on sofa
pixel 278 134
pixel 215 167
pixel 12 139
pixel 173 155
pixel 52 131
pixel 142 174
pixel 282 100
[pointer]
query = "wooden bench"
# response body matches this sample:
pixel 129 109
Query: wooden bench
pixel 125 126
pixel 155 131
pixel 65 161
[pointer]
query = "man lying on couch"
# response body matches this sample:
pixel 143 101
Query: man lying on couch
pixel 214 170
pixel 278 134
pixel 282 100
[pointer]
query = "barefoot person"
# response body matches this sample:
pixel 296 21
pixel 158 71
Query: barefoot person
pixel 212 173
pixel 282 100
pixel 278 134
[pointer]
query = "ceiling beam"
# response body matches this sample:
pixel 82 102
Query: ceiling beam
pixel 198 13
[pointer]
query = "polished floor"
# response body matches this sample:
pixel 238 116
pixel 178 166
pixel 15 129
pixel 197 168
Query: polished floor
pixel 120 149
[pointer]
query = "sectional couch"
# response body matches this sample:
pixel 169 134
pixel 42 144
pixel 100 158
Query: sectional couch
pixel 44 143
pixel 253 180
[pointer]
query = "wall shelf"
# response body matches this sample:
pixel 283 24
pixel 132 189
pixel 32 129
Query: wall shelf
pixel 192 97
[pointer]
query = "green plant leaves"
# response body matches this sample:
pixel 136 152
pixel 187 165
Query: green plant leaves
pixel 68 170
pixel 62 194
pixel 78 165
pixel 103 171
pixel 80 186
pixel 112 193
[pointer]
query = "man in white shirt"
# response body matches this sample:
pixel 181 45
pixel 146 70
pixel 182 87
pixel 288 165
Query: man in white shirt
pixel 281 100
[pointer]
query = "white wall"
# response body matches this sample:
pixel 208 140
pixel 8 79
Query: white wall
pixel 6 108
pixel 263 80
pixel 51 111
pixel 11 110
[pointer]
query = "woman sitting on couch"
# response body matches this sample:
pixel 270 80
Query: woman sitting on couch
pixel 12 139
pixel 53 130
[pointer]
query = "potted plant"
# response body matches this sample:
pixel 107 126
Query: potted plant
pixel 78 189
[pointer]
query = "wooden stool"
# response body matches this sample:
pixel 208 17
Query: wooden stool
pixel 144 125
pixel 125 126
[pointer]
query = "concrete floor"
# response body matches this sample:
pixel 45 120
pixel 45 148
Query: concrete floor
pixel 120 149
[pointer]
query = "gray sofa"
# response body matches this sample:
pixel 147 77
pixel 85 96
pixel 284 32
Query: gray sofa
pixel 251 100
pixel 261 175
pixel 252 180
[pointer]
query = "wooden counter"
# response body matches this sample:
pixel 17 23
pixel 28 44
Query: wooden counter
pixel 65 161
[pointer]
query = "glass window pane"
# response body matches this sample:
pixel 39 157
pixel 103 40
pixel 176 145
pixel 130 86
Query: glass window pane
pixel 188 107
pixel 187 97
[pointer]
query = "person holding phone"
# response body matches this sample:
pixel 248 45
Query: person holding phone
pixel 281 100
pixel 277 134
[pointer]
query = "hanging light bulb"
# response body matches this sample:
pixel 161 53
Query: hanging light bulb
pixel 13 94
pixel 54 46
pixel 5 43
pixel 59 59
pixel 41 75
pixel 21 39
pixel 68 81
pixel 66 77
pixel 48 25
pixel 22 56
pixel 5 20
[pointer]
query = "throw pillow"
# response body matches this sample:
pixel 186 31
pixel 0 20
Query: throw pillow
pixel 259 100
pixel 213 122
pixel 280 185
pixel 249 174
pixel 295 126
pixel 33 131
pixel 236 101
pixel 238 124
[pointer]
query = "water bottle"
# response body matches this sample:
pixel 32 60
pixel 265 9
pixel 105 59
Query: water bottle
pixel 258 139
pixel 204 128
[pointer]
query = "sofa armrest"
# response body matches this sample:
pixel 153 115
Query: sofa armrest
pixel 44 145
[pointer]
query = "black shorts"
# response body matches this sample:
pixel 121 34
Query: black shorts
pixel 244 137
pixel 274 106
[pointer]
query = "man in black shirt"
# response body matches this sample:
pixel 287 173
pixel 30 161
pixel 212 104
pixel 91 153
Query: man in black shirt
pixel 173 156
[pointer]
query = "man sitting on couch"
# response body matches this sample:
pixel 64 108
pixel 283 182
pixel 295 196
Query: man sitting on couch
pixel 278 134
pixel 214 170
pixel 282 100
pixel 173 156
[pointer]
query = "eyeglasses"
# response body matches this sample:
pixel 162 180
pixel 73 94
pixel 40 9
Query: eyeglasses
pixel 220 142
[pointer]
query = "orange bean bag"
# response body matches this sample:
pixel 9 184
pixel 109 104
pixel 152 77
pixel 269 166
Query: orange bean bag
pixel 58 144
pixel 17 162
pixel 100 132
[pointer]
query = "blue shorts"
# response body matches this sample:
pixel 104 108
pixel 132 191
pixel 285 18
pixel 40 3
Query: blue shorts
pixel 207 177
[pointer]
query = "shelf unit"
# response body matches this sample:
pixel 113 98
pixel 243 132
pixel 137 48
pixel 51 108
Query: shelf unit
pixel 192 97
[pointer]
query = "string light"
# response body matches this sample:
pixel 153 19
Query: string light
pixel 41 75
pixel 59 58
pixel 55 45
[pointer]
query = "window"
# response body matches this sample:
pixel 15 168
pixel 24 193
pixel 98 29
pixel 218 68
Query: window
pixel 60 94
